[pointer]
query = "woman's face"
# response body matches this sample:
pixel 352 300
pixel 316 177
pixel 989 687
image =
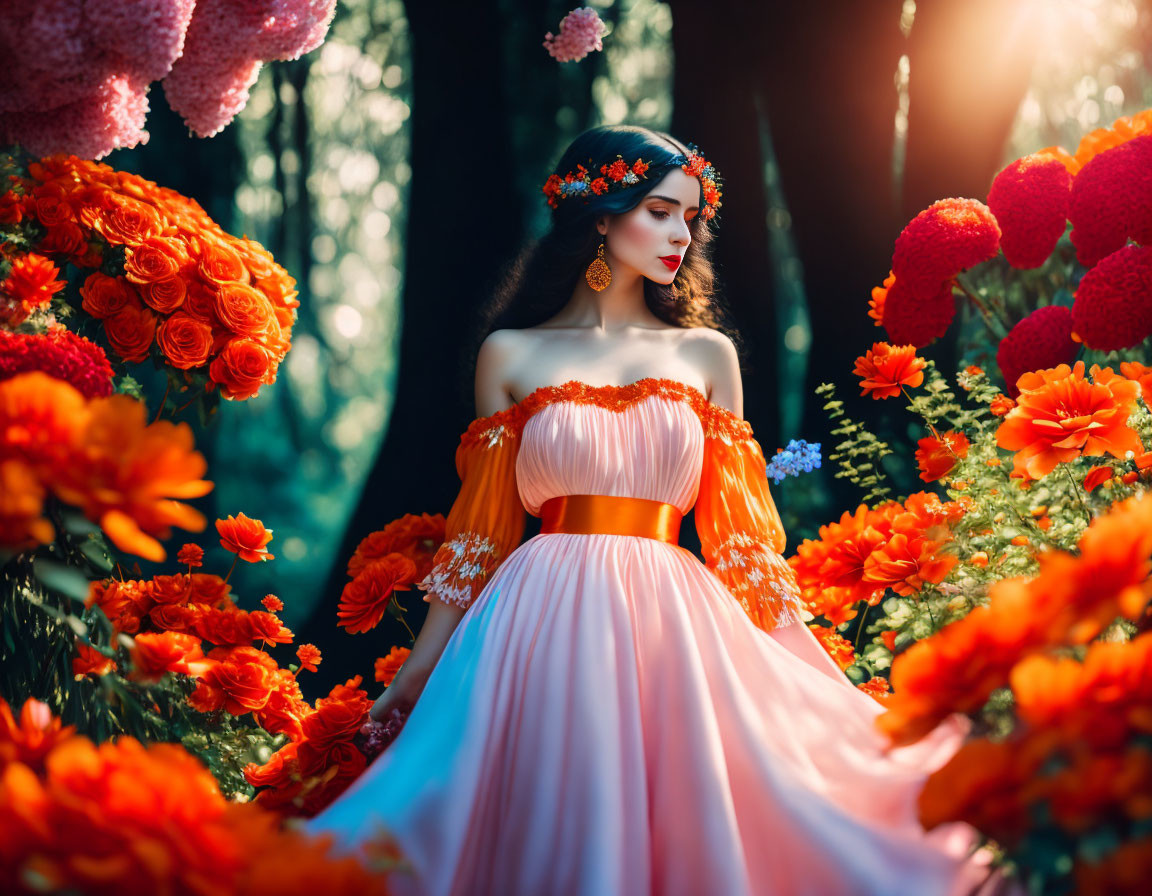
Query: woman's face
pixel 652 238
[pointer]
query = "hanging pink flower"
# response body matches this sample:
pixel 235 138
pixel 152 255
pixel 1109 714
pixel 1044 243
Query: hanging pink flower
pixel 79 70
pixel 580 33
pixel 226 44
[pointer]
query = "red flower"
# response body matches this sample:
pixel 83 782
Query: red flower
pixel 272 603
pixel 616 170
pixel 60 353
pixel 884 369
pixel 599 186
pixel 1030 201
pixel 1111 201
pixel 387 666
pixel 946 238
pixel 1113 305
pixel 936 457
pixel 190 555
pixel 1041 340
pixel 245 537
pixel 917 320
pixel 639 167
pixel 365 599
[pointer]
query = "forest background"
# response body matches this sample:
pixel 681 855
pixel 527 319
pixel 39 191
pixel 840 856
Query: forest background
pixel 396 171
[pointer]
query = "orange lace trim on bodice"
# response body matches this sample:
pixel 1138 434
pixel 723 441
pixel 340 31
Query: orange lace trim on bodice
pixel 717 421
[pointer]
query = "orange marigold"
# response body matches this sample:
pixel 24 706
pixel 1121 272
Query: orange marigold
pixel 936 457
pixel 245 537
pixel 309 656
pixel 1060 416
pixel 30 284
pixel 388 666
pixel 879 294
pixel 884 369
pixel 837 646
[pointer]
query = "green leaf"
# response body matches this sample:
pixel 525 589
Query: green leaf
pixel 95 552
pixel 60 578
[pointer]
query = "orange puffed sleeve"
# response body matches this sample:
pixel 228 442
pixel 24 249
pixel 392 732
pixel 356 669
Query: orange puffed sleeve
pixel 740 531
pixel 486 521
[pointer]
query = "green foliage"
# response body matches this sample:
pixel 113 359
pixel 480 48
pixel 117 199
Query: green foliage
pixel 859 453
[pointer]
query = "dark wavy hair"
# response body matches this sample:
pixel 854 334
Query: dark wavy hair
pixel 542 278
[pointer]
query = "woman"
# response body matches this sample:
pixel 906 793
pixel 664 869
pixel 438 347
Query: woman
pixel 599 712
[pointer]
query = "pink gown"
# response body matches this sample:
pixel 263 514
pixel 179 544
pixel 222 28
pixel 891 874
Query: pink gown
pixel 607 718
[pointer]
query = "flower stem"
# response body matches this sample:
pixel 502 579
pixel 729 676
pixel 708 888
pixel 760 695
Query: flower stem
pixel 1076 490
pixel 1003 326
pixel 232 567
pixel 167 389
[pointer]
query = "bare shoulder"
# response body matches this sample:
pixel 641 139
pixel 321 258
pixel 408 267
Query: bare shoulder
pixel 717 356
pixel 494 360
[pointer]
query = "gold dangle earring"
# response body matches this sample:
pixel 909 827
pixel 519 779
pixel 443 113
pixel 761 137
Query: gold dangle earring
pixel 598 274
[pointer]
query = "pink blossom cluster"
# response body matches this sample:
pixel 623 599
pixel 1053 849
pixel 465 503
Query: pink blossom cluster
pixel 77 72
pixel 580 33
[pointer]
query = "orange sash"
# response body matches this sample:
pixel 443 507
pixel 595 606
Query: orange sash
pixel 611 515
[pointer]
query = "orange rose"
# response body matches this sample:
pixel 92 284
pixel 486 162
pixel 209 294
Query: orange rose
pixel 200 302
pixel 239 687
pixel 171 589
pixel 64 239
pixel 244 310
pixel 164 295
pixel 155 653
pixel 156 258
pixel 240 368
pixel 245 537
pixel 103 296
pixel 185 341
pixel 127 221
pixel 365 599
pixel 209 589
pixel 173 617
pixel 90 661
pixel 220 263
pixel 131 331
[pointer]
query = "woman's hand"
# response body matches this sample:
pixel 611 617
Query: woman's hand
pixel 402 693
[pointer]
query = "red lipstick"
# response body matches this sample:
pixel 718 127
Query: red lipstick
pixel 673 261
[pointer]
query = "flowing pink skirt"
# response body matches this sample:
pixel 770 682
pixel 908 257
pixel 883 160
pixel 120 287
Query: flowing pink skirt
pixel 606 719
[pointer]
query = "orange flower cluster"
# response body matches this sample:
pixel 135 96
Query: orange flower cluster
pixel 1079 760
pixel 936 457
pixel 1060 416
pixel 837 646
pixel 307 774
pixel 885 369
pixel 121 817
pixel 1069 601
pixel 388 666
pixel 1102 139
pixel 204 298
pixel 896 545
pixel 391 559
pixel 194 603
pixel 98 454
pixel 30 284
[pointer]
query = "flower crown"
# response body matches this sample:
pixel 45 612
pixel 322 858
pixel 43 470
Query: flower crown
pixel 619 175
